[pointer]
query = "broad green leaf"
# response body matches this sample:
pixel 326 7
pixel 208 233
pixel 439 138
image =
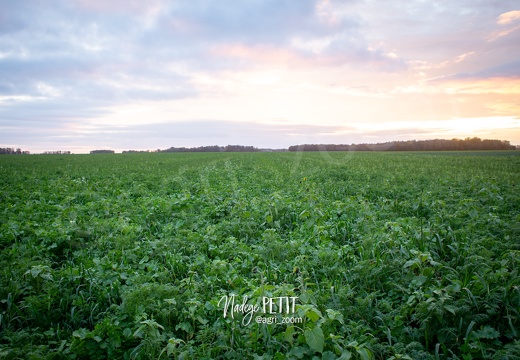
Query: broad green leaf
pixel 487 333
pixel 450 308
pixel 313 314
pixel 298 351
pixel 315 339
pixel 80 333
pixel 364 353
pixel 410 263
pixel 328 355
pixel 345 355
pixel 288 334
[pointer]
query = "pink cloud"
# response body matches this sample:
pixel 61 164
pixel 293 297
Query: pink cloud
pixel 270 55
pixel 508 17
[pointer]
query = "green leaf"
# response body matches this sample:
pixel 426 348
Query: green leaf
pixel 289 332
pixel 46 276
pixel 309 311
pixel 297 351
pixel 487 333
pixel 328 355
pixel 305 214
pixel 313 315
pixel 184 326
pixel 81 333
pixel 345 355
pixel 468 330
pixel 335 315
pixel 364 353
pixel 315 339
pixel 450 308
pixel 410 263
pixel 428 271
pixel 419 280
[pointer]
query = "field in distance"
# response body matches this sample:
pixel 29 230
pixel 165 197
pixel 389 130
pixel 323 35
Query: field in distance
pixel 390 255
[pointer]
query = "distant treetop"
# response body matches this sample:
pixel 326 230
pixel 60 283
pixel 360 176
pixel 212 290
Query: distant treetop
pixel 214 148
pixel 12 151
pixel 412 145
pixel 102 152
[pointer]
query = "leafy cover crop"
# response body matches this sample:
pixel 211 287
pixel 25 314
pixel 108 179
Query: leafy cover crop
pixel 389 255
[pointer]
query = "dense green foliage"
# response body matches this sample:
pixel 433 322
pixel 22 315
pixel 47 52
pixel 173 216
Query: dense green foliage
pixel 391 255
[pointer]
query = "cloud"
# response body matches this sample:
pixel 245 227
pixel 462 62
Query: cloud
pixel 164 135
pixel 108 44
pixel 506 70
pixel 337 53
pixel 508 17
pixel 89 56
pixel 131 7
pixel 70 65
pixel 508 24
pixel 222 132
pixel 270 21
pixel 501 79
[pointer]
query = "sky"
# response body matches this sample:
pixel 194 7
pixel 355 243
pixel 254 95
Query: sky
pixel 137 75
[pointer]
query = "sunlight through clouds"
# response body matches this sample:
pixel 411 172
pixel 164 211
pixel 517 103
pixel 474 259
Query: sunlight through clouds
pixel 379 71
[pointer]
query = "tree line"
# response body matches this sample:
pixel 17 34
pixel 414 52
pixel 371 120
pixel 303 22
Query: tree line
pixel 12 151
pixel 214 148
pixel 18 151
pixel 474 143
pixel 102 151
pixel 58 152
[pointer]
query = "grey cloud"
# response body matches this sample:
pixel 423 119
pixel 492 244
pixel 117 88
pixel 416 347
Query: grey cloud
pixel 506 70
pixel 435 31
pixel 47 113
pixel 271 21
pixel 510 69
pixel 120 51
pixel 178 134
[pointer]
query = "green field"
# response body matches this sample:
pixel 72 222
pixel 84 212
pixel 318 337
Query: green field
pixel 389 255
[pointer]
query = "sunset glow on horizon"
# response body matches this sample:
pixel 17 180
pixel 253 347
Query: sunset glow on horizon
pixel 151 75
